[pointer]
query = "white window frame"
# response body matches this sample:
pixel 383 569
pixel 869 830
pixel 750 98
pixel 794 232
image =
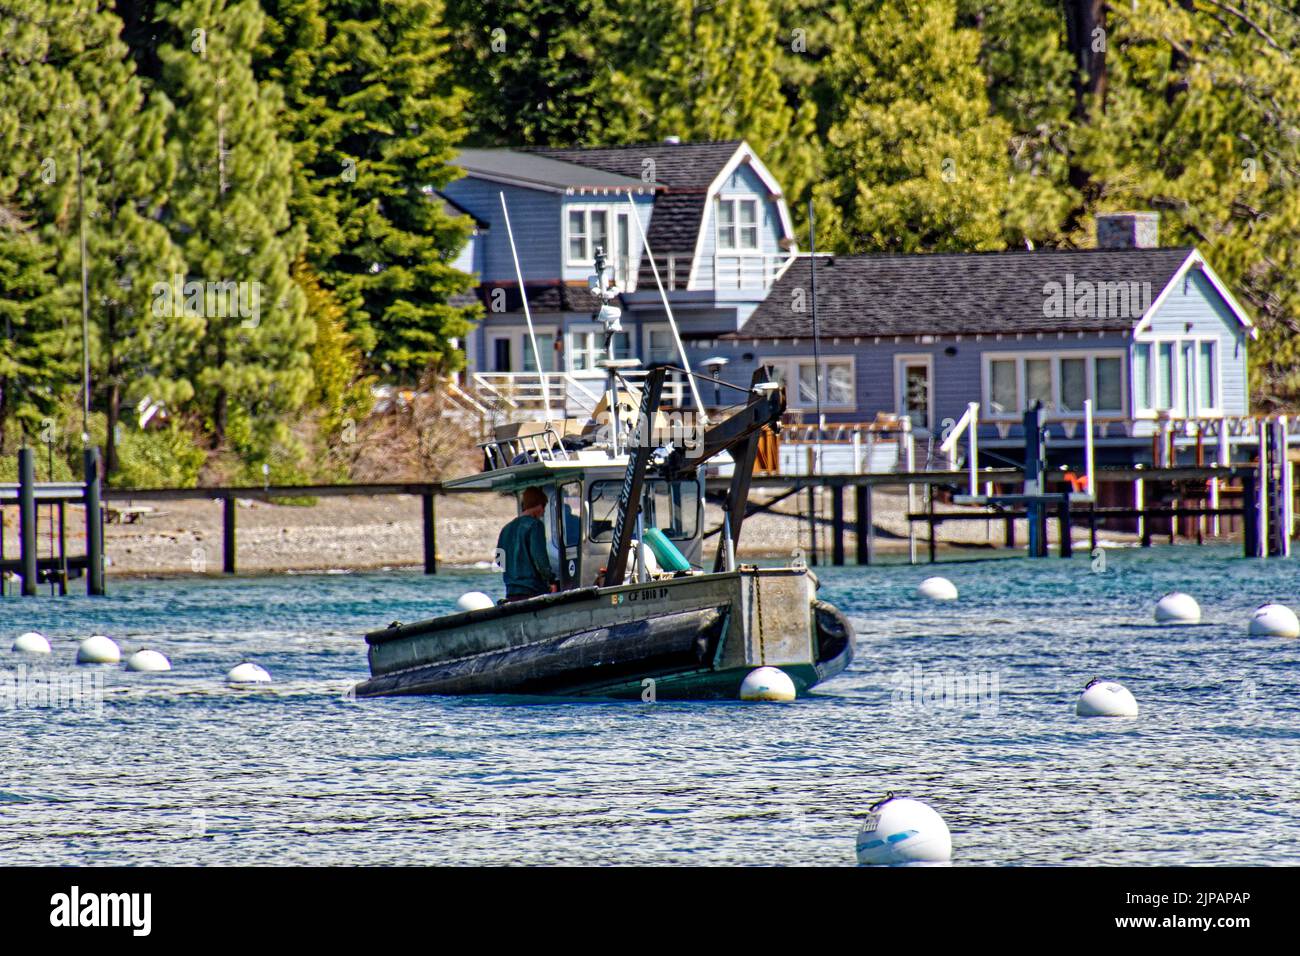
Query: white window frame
pixel 901 361
pixel 520 346
pixel 1090 382
pixel 789 365
pixel 595 350
pixel 611 230
pixel 1153 342
pixel 735 201
pixel 647 348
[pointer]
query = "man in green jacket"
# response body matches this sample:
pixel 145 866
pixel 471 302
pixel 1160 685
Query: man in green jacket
pixel 521 548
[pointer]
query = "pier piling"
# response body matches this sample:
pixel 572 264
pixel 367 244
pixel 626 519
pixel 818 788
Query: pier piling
pixel 94 525
pixel 228 504
pixel 27 520
pixel 430 535
pixel 837 522
pixel 862 525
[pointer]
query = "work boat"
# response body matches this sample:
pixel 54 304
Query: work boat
pixel 636 614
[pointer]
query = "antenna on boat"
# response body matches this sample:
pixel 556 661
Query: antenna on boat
pixel 528 316
pixel 668 310
pixel 816 334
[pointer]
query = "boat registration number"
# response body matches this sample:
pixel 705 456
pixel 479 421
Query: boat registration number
pixel 649 594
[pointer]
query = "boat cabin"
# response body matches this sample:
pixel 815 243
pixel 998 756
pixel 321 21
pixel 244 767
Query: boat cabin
pixel 582 489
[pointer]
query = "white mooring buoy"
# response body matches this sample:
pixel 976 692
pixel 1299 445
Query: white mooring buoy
pixel 1105 698
pixel 474 601
pixel 767 683
pixel 1274 620
pixel 937 589
pixel 248 673
pixel 148 662
pixel 31 643
pixel 1178 608
pixel 901 830
pixel 98 649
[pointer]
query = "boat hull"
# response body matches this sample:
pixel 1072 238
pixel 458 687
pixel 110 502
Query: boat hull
pixel 694 636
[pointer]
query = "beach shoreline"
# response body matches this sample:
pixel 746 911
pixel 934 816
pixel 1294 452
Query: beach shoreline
pixel 372 533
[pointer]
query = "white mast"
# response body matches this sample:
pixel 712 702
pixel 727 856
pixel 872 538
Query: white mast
pixel 672 323
pixel 528 316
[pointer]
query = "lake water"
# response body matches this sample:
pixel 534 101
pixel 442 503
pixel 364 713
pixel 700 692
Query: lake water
pixel 180 768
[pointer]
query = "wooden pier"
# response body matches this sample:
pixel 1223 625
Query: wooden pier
pixel 1263 518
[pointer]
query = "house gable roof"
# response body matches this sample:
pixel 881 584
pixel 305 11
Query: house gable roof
pixel 535 171
pixel 679 166
pixel 689 173
pixel 960 293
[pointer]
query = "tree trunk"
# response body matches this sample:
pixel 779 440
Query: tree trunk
pixel 1086 37
pixel 114 409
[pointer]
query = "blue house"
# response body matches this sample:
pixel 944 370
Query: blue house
pixel 712 214
pixel 1150 335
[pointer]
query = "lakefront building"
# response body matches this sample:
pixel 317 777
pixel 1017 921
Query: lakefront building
pixel 711 213
pixel 1150 336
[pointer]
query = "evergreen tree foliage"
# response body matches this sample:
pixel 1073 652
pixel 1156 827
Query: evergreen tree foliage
pixel 375 121
pixel 230 213
pixel 914 160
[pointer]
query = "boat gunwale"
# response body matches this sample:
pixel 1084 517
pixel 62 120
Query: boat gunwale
pixel 557 599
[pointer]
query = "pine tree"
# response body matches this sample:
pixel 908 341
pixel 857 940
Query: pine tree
pixel 538 72
pixel 1199 123
pixel 34 364
pixel 375 120
pixel 1028 77
pixel 230 214
pixel 915 163
pixel 74 95
pixel 715 72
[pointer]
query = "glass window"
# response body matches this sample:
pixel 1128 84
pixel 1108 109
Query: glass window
pixel 748 224
pixel 1038 381
pixel 1074 387
pixel 726 225
pixel 1207 372
pixel 1110 384
pixel 807 384
pixel 661 344
pixel 1165 375
pixel 578 236
pixel 673 507
pixel 501 355
pixel 1186 398
pixel 623 254
pixel 600 232
pixel 916 394
pixel 546 346
pixel 581 357
pixel 1142 375
pixel 621 343
pixel 1002 387
pixel 839 384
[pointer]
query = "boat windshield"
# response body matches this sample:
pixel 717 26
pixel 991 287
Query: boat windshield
pixel 671 506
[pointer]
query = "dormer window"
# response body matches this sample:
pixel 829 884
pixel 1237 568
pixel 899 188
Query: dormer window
pixel 737 225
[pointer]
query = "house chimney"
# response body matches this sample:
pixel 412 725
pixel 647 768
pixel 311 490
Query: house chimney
pixel 1128 230
pixel 673 140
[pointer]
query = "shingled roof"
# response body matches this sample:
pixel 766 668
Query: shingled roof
pixel 951 293
pixel 542 172
pixel 679 166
